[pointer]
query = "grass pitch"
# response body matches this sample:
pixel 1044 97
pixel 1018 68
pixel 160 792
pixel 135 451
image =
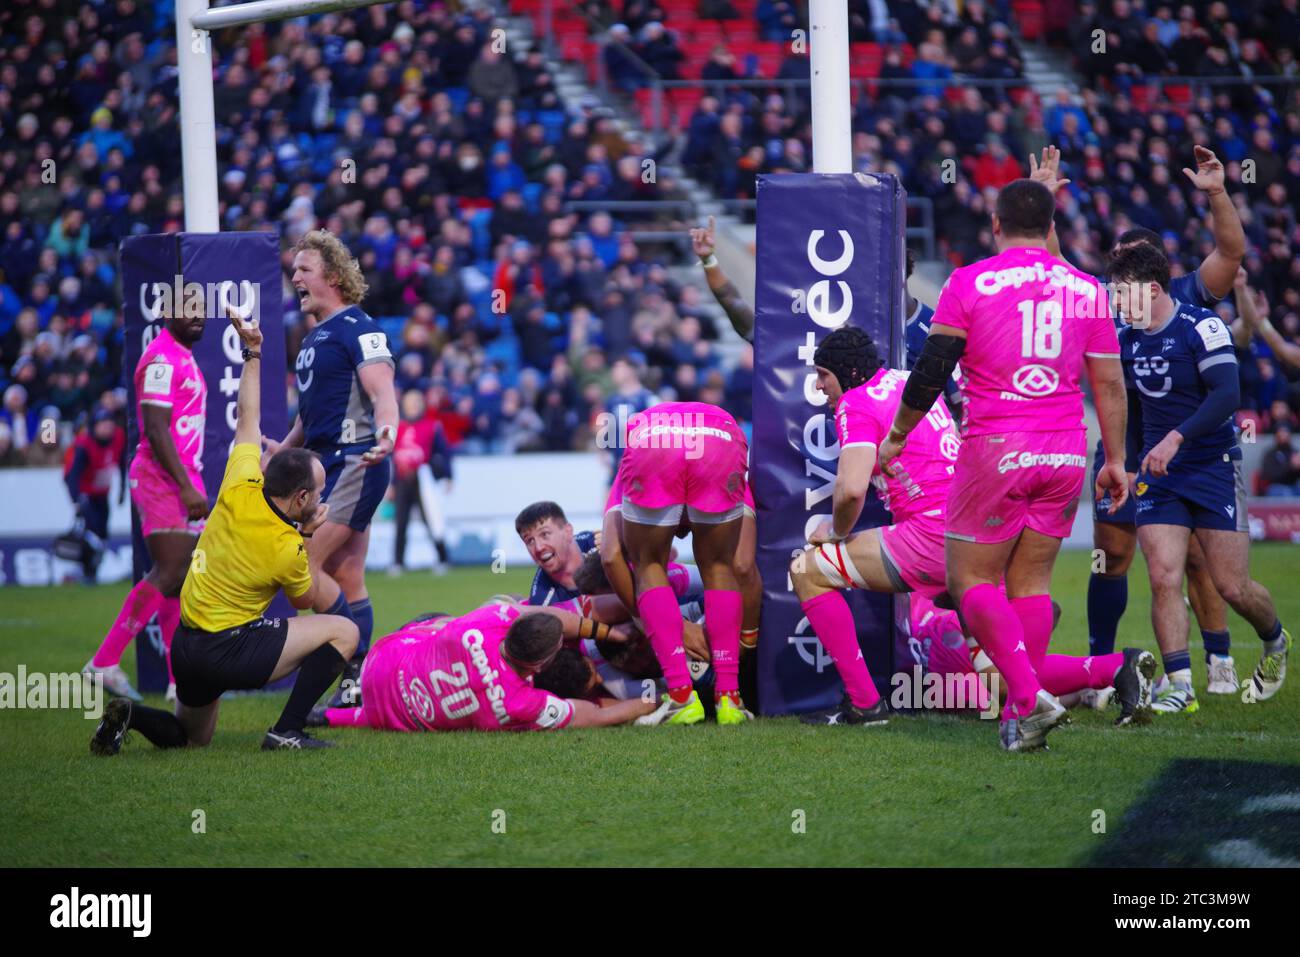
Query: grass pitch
pixel 923 791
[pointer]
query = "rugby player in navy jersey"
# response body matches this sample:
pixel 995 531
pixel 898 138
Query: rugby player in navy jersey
pixel 1115 535
pixel 1180 368
pixel 347 414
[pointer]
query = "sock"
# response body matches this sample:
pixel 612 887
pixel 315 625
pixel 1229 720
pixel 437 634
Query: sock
pixel 169 616
pixel 347 717
pixel 1063 674
pixel 1178 666
pixel 1107 599
pixel 364 615
pixel 722 611
pixel 1216 643
pixel 441 546
pixel 1273 641
pixel 162 728
pixel 315 675
pixel 832 620
pixel 1035 614
pixel 997 628
pixel 141 604
pixel 663 625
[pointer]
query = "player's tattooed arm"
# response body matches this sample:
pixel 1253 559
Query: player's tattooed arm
pixel 1219 269
pixel 158 433
pixel 738 311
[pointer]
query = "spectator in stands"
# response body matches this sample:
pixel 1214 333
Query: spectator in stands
pixel 1279 470
pixel 624 72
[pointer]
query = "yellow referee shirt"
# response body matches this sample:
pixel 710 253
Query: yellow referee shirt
pixel 248 551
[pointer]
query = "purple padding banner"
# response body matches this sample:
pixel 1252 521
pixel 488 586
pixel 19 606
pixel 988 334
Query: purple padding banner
pixel 830 253
pixel 204 271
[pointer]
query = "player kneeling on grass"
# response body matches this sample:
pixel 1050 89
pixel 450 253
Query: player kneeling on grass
pixel 251 548
pixel 687 459
pixel 1181 371
pixel 474 673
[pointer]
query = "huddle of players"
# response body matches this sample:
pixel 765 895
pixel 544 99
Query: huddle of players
pixel 1000 501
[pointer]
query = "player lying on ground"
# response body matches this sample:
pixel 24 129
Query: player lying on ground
pixel 252 548
pixel 906 556
pixel 687 459
pixel 167 489
pixel 475 673
pixel 347 415
pixel 1115 532
pixel 1025 326
pixel 1181 372
pixel 557 552
pixel 1089 681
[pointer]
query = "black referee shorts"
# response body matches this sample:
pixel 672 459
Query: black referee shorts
pixel 207 664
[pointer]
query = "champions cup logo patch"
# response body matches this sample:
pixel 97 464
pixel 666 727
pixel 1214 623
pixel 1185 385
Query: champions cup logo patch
pixel 1035 380
pixel 1026 460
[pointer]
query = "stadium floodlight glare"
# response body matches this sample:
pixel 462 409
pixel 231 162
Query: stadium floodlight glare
pixel 194 20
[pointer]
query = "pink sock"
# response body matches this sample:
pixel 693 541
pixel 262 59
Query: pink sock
pixel 1035 614
pixel 663 624
pixel 169 616
pixel 141 604
pixel 997 628
pixel 1063 674
pixel 722 612
pixel 347 717
pixel 832 620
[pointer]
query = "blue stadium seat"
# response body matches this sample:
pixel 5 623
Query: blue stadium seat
pixel 392 327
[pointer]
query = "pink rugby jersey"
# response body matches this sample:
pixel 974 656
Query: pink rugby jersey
pixel 919 485
pixel 1030 319
pixel 168 376
pixel 455 680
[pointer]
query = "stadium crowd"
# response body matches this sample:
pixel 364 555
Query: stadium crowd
pixel 446 163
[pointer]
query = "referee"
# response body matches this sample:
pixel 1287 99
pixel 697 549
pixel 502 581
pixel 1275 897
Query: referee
pixel 251 548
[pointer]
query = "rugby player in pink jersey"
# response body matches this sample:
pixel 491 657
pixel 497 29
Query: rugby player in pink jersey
pixel 687 460
pixel 1089 680
pixel 905 556
pixel 474 673
pixel 1026 327
pixel 166 477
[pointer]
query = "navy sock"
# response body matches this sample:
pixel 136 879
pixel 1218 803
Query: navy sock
pixel 162 728
pixel 340 607
pixel 1177 661
pixel 1107 599
pixel 364 616
pixel 1274 633
pixel 1216 643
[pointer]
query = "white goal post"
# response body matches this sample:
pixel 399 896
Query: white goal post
pixel 828 50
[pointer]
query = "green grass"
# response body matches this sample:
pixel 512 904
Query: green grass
pixel 922 791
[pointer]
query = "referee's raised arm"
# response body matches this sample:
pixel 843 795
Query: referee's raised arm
pixel 248 420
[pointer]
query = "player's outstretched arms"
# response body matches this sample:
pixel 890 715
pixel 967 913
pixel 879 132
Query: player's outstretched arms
pixel 1048 172
pixel 248 408
pixel 739 312
pixel 1219 270
pixel 1256 322
pixel 588 715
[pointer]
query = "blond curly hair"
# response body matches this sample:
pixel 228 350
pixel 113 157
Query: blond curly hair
pixel 341 267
